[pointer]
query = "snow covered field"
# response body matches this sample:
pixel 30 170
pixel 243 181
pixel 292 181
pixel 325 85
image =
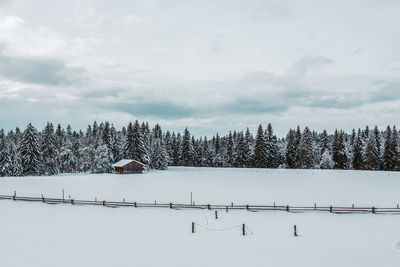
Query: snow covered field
pixel 37 234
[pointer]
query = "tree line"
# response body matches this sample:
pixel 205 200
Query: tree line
pixel 58 150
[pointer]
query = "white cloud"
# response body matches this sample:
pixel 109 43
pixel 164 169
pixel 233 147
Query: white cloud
pixel 211 65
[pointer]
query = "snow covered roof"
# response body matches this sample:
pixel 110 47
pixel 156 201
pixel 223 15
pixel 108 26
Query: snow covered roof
pixel 123 162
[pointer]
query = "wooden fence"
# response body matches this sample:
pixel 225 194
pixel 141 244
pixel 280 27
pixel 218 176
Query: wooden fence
pixel 254 208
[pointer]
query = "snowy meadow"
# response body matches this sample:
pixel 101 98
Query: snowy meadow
pixel 85 236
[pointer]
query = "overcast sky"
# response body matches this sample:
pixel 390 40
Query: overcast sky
pixel 209 65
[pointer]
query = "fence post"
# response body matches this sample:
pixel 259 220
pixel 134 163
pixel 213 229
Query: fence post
pixel 352 206
pixel 247 207
pixel 315 206
pixel 397 205
pixel 274 205
pixel 42 198
pixel 15 195
pixel 72 201
pixel 170 205
pixel 226 208
pixel 134 204
pixel 192 227
pixel 216 215
pixel 208 206
pixel 373 209
pixel 330 209
pixel 63 194
pixel 244 229
pixel 232 204
pixel 295 230
pixel 287 208
pixel 104 202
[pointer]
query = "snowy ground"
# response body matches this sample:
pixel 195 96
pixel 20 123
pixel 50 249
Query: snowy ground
pixel 36 234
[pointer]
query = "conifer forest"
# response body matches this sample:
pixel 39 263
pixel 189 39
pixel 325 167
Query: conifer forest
pixel 54 150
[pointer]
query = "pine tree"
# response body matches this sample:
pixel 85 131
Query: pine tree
pixel 291 149
pixel 324 142
pixel 358 161
pixel 30 151
pixel 186 157
pixel 49 150
pixel 159 155
pixel 134 148
pixel 297 140
pixel 5 159
pixel 378 143
pixel 388 164
pixel 371 153
pixel 206 156
pixel 259 149
pixel 271 148
pixel 240 153
pixel 102 160
pixel 67 160
pixel 339 154
pixel 306 150
pixel 395 149
pixel 248 148
pixel 230 151
pixel 326 160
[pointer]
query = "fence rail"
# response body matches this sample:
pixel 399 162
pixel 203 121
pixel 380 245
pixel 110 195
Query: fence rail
pixel 287 208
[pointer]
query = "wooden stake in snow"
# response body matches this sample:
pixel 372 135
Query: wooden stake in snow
pixel 15 195
pixel 192 227
pixel 330 209
pixel 287 208
pixel 244 229
pixel 226 208
pixel 191 198
pixel 295 230
pixel 63 193
pixel 216 215
pixel 373 209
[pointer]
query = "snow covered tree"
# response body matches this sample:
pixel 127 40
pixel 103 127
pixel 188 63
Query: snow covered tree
pixel 186 157
pixel 206 156
pixel 326 160
pixel 388 163
pixel 134 147
pixel 29 151
pixel 395 149
pixel 291 149
pixel 159 155
pixel 339 154
pixel 271 148
pixel 67 161
pixel 248 148
pixel 102 160
pixel 371 153
pixel 5 159
pixel 240 153
pixel 229 151
pixel 306 150
pixel 324 142
pixel 259 149
pixel 49 150
pixel 358 161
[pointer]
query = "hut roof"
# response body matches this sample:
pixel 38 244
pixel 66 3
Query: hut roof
pixel 124 162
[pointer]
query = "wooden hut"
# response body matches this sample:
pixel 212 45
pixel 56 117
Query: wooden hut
pixel 128 166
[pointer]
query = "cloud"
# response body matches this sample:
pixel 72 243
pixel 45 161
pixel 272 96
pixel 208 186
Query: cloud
pixel 163 109
pixel 307 64
pixel 37 70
